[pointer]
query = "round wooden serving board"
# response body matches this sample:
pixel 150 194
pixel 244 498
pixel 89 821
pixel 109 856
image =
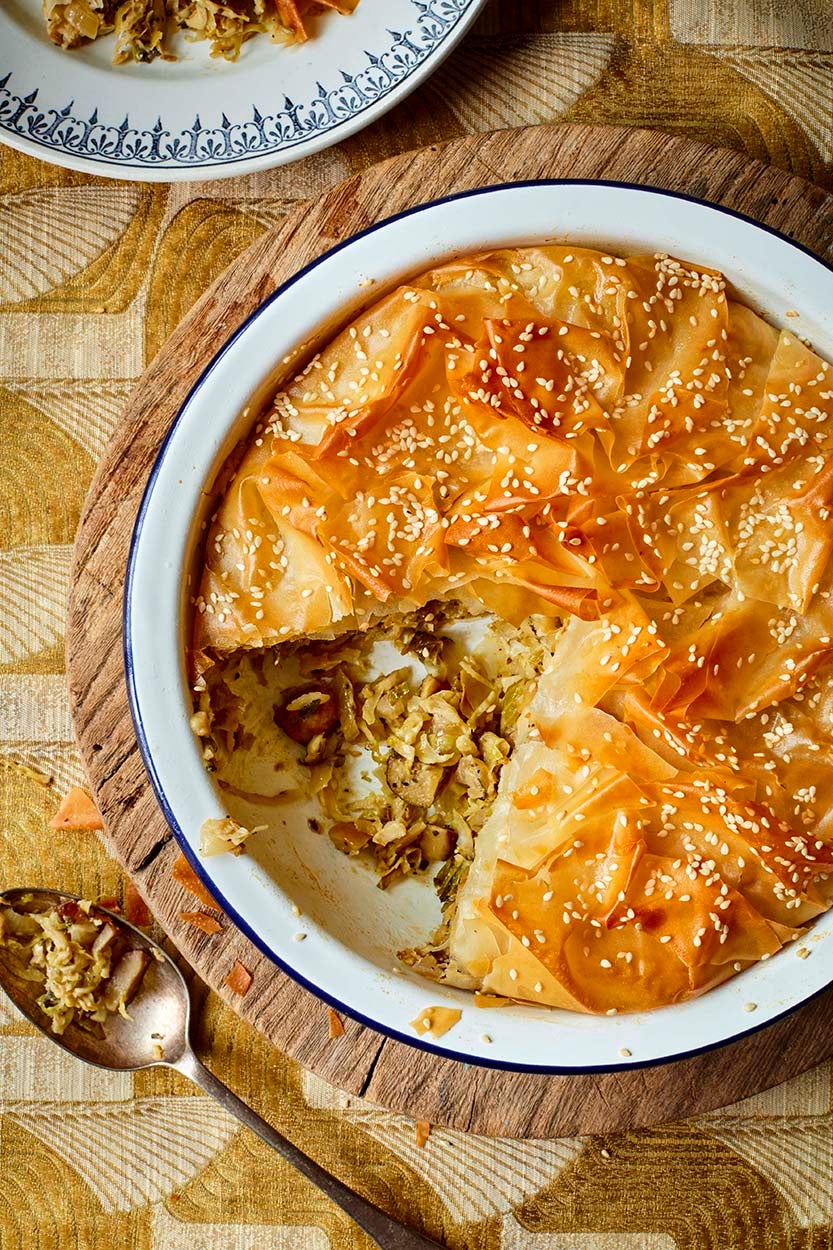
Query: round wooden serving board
pixel 363 1062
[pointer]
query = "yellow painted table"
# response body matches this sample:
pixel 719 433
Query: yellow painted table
pixel 93 277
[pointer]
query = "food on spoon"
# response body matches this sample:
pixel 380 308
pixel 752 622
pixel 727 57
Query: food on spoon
pixel 87 967
pixel 540 544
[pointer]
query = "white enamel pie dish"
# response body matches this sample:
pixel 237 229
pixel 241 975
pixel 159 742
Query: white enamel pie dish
pixel 352 928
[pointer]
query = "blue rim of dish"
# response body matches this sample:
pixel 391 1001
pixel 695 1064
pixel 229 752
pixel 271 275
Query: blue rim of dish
pixel 322 135
pixel 135 711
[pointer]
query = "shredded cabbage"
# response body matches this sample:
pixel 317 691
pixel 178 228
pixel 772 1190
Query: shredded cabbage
pixel 78 954
pixel 142 26
pixel 430 735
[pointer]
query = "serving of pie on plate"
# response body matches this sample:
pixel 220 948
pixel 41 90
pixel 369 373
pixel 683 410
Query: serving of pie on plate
pixel 142 26
pixel 526 575
pixel 196 95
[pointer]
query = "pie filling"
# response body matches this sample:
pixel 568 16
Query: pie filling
pixel 525 576
pixel 86 967
pixel 143 27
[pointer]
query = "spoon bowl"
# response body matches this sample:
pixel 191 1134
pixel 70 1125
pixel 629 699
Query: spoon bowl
pixel 155 1031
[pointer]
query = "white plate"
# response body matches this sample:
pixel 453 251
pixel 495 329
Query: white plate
pixel 353 928
pixel 207 118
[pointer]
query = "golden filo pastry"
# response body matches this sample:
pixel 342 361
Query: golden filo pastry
pixel 621 448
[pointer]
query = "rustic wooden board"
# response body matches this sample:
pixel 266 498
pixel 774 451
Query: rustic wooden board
pixel 363 1062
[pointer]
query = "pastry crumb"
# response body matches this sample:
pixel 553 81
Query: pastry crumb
pixel 202 920
pixel 239 980
pixel 435 1021
pixel 135 907
pixel 184 875
pixel 334 1023
pixel 77 811
pixel 33 774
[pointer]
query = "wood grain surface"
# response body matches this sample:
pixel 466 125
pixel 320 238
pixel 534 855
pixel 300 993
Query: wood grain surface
pixel 362 1061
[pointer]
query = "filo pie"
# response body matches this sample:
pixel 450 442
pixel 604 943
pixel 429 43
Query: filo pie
pixel 584 503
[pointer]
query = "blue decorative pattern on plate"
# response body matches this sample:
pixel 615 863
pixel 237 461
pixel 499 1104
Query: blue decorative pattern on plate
pixel 161 121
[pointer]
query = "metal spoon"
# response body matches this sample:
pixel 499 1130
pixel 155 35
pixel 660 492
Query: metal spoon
pixel 157 1035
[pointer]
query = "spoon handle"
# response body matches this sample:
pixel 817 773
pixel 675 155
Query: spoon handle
pixel 387 1232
